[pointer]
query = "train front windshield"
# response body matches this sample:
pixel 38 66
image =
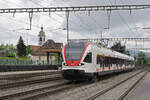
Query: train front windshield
pixel 73 51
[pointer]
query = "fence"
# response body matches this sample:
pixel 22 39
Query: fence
pixel 15 62
pixel 26 62
pixel 8 68
pixel 26 65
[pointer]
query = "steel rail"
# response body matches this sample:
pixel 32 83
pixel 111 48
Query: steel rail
pixel 52 92
pixel 111 87
pixel 121 97
pixel 28 82
pixel 31 91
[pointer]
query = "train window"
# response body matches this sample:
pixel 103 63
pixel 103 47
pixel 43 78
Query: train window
pixel 99 59
pixel 106 62
pixel 73 51
pixel 88 58
pixel 114 60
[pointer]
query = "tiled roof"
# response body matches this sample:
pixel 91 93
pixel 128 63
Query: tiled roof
pixel 34 47
pixel 39 53
pixel 50 44
pixel 36 51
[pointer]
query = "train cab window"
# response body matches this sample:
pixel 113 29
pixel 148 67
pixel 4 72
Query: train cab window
pixel 88 58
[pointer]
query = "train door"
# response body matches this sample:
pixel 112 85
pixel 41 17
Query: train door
pixel 109 63
pixel 103 63
pixel 106 63
pixel 99 62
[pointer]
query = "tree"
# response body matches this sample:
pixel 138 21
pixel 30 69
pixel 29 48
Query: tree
pixel 29 50
pixel 21 48
pixel 118 47
pixel 2 47
pixel 141 59
pixel 9 54
pixel 102 44
pixel 127 52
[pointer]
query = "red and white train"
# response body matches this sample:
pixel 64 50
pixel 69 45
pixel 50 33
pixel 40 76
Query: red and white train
pixel 87 60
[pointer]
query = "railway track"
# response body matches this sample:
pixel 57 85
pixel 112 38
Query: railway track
pixel 40 92
pixel 28 82
pixel 122 96
pixel 100 93
pixel 19 95
pixel 54 89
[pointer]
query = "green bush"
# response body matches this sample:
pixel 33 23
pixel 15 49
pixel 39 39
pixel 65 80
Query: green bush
pixel 10 54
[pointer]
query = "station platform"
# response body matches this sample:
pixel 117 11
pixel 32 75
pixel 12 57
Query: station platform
pixel 17 73
pixel 142 91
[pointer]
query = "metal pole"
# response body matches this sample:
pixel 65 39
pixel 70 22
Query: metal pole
pixel 101 34
pixel 67 26
pixel 47 57
pixel 135 46
pixel 30 19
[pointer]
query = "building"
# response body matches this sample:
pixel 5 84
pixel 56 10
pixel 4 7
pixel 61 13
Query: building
pixel 2 53
pixel 51 48
pixel 46 52
pixel 41 37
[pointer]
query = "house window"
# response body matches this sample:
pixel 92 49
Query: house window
pixel 40 38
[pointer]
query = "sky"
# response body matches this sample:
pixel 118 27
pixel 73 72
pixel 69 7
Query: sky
pixel 82 24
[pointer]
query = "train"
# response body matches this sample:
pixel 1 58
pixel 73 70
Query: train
pixel 83 60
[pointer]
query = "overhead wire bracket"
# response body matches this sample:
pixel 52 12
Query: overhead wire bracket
pixel 14 14
pixel 30 19
pixel 49 13
pixel 130 11
pixel 109 15
pixel 89 13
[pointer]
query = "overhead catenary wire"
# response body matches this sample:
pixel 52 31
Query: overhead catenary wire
pixel 132 17
pixel 55 13
pixel 31 14
pixel 93 18
pixel 123 20
pixel 20 21
pixel 135 29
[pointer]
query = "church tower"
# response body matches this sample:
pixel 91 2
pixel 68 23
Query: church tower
pixel 41 37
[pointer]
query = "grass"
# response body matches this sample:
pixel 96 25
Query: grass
pixel 105 81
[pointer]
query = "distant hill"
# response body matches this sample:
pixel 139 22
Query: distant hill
pixel 133 52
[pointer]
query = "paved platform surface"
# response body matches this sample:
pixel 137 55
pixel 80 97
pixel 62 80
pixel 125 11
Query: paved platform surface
pixel 142 92
pixel 25 72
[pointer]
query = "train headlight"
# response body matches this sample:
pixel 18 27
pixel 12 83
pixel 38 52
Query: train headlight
pixel 64 64
pixel 81 64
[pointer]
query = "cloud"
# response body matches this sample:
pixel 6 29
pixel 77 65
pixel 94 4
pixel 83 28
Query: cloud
pixel 81 24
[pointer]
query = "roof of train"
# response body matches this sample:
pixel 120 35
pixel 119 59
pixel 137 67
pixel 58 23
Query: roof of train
pixel 109 52
pixel 115 54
